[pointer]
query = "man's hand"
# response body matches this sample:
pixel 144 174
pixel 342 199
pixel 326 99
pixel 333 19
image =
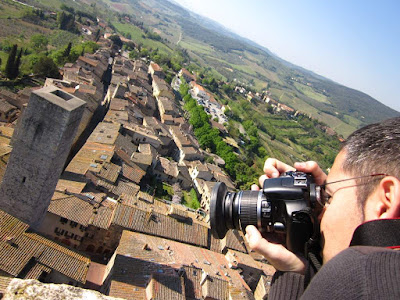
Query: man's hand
pixel 277 255
pixel 280 257
pixel 274 168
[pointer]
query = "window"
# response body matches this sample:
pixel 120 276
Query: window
pixel 23 179
pixel 73 224
pixel 59 231
pixel 82 228
pixel 63 220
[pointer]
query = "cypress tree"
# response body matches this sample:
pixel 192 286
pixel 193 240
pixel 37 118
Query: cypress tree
pixel 17 63
pixel 10 66
pixel 67 50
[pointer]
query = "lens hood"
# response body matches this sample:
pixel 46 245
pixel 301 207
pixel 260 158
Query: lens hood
pixel 217 218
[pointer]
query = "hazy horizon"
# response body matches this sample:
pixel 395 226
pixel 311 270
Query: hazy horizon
pixel 354 44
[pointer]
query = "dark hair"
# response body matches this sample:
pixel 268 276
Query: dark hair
pixel 370 150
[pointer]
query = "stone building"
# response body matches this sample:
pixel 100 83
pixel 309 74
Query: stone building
pixel 41 145
pixel 27 255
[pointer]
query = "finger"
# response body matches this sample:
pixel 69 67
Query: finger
pixel 261 180
pixel 281 258
pixel 255 187
pixel 273 167
pixel 313 168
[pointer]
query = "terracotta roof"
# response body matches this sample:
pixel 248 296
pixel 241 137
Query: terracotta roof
pixel 215 288
pixel 142 158
pixel 89 61
pixel 70 185
pixel 162 286
pixel 160 225
pixel 155 67
pixel 235 241
pixel 133 173
pixel 145 197
pixel 117 116
pixel 84 212
pixel 105 133
pixel 61 259
pixel 167 167
pixel 71 208
pixel 119 104
pixel 37 271
pixel 189 150
pixel 109 172
pixel 6 132
pixel 5 107
pixel 192 278
pixel 18 247
pixel 91 157
pixel 223 178
pixel 138 256
pixel 125 143
pixel 127 190
pixel 10 227
pixel 103 217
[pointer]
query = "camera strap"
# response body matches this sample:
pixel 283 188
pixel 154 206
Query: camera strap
pixel 312 249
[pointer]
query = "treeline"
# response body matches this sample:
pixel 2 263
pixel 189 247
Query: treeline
pixel 37 59
pixel 219 41
pixel 209 138
pixel 300 130
pixel 68 15
pixel 172 61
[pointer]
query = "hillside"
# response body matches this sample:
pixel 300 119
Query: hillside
pixel 174 38
pixel 235 58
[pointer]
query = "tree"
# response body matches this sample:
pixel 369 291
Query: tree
pixel 39 42
pixel 116 40
pixel 97 35
pixel 66 21
pixel 67 50
pixel 17 63
pixel 133 54
pixel 46 67
pixel 10 66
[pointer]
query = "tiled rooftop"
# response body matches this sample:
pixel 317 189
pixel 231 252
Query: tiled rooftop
pixel 84 212
pixel 133 172
pixel 109 172
pixel 140 255
pixel 105 133
pixel 160 225
pixel 18 247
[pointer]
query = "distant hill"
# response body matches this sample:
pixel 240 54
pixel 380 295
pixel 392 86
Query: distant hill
pixel 233 57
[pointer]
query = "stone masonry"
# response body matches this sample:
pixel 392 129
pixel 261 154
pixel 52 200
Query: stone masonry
pixel 40 148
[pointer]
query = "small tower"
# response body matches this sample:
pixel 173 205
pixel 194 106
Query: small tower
pixel 41 145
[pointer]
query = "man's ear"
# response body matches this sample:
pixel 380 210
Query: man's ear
pixel 388 193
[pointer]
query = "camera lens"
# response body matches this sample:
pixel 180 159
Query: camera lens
pixel 235 210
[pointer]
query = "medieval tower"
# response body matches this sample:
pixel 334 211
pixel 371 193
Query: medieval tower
pixel 41 145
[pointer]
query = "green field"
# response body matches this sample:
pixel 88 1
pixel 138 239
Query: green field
pixel 137 37
pixel 309 92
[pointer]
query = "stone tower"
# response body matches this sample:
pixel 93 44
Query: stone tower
pixel 41 145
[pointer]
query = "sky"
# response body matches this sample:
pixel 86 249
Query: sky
pixel 355 43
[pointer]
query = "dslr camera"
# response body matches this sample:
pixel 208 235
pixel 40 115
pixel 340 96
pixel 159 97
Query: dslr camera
pixel 285 205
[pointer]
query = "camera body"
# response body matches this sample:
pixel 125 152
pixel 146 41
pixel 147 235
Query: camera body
pixel 285 205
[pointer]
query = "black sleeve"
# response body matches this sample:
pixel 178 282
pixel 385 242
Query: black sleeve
pixel 286 286
pixel 358 273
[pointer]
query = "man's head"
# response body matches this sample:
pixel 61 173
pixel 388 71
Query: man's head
pixel 370 150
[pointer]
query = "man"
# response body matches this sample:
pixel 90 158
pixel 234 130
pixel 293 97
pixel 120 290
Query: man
pixel 361 210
